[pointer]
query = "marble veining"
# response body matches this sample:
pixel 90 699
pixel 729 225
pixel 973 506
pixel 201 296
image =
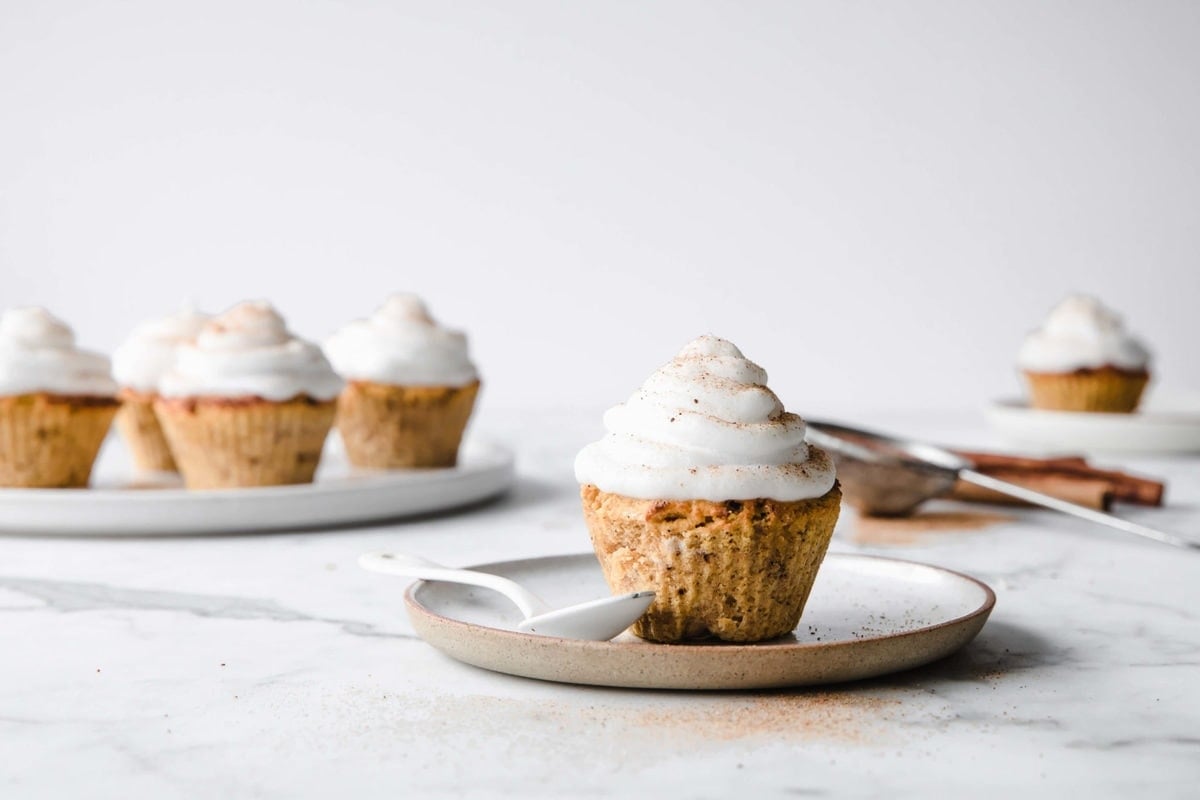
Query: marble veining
pixel 68 596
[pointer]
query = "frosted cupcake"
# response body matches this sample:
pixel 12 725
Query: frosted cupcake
pixel 138 365
pixel 704 490
pixel 247 403
pixel 1082 359
pixel 410 387
pixel 56 402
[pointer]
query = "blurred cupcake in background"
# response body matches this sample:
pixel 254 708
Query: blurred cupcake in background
pixel 247 403
pixel 138 366
pixel 410 387
pixel 1083 359
pixel 56 402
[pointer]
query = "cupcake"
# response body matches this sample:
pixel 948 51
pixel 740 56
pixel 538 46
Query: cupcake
pixel 410 387
pixel 56 402
pixel 1082 359
pixel 247 403
pixel 704 490
pixel 138 365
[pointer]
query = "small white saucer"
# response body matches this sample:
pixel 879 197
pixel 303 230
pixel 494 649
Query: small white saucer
pixel 1164 425
pixel 340 495
pixel 866 616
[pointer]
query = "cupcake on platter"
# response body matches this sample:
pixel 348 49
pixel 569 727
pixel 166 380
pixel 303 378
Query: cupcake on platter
pixel 247 403
pixel 705 490
pixel 56 402
pixel 138 365
pixel 410 387
pixel 1083 359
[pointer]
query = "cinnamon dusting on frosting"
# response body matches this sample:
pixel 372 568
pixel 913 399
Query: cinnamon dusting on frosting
pixel 705 426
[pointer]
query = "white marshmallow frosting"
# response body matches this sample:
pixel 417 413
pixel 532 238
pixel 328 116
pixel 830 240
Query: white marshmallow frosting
pixel 401 345
pixel 38 354
pixel 249 352
pixel 149 352
pixel 705 427
pixel 1081 333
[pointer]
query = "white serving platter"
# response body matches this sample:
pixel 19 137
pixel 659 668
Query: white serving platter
pixel 1166 424
pixel 340 495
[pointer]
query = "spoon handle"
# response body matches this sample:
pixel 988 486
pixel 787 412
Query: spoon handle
pixel 1037 498
pixel 416 567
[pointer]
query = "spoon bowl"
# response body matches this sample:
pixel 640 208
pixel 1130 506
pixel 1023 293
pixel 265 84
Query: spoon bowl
pixel 596 620
pixel 882 476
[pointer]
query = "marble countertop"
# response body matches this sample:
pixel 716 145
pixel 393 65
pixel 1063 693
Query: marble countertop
pixel 272 666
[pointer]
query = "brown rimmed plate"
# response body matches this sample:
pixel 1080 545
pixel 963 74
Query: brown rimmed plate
pixel 867 616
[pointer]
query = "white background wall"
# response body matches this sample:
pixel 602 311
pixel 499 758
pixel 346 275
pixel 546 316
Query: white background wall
pixel 875 200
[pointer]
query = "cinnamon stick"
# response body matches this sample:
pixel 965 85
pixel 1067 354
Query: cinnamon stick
pixel 1123 487
pixel 1093 493
pixel 985 460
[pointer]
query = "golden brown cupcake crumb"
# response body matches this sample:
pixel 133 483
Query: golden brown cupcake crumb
pixel 1109 388
pixel 51 441
pixel 142 432
pixel 236 442
pixel 738 570
pixel 393 427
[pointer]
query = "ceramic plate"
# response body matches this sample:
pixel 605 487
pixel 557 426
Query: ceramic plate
pixel 866 616
pixel 1165 425
pixel 340 495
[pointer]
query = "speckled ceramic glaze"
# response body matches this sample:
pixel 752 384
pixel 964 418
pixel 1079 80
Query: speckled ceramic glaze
pixel 867 616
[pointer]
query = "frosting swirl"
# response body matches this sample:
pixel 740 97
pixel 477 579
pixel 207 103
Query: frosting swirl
pixel 705 427
pixel 38 354
pixel 402 345
pixel 249 352
pixel 1081 333
pixel 149 352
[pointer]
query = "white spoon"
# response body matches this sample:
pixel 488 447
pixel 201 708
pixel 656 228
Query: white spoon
pixel 598 620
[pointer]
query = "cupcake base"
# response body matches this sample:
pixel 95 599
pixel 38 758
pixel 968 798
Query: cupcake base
pixel 51 441
pixel 142 432
pixel 222 443
pixel 739 571
pixel 1104 389
pixel 397 427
